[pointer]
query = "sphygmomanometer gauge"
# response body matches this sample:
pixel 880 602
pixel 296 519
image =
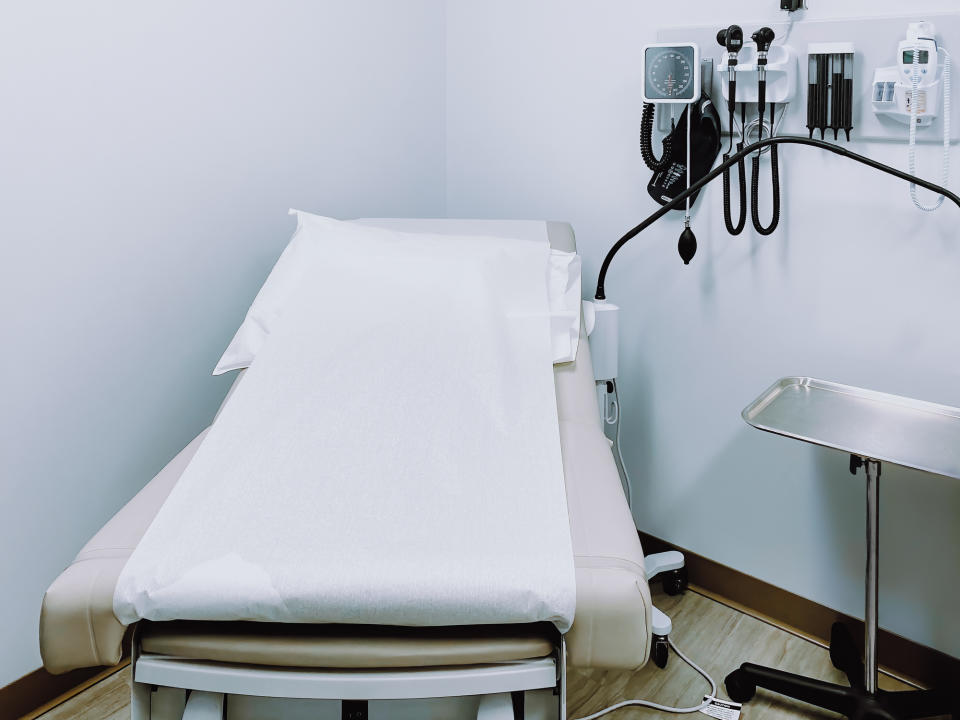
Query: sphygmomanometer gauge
pixel 671 74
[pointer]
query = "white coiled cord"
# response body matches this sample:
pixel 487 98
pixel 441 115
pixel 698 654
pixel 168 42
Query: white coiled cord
pixel 657 706
pixel 912 149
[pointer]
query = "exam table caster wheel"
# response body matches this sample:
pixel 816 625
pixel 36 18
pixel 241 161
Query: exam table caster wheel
pixel 739 689
pixel 659 651
pixel 675 581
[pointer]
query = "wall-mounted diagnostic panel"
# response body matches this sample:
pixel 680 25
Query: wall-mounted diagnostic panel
pixel 860 76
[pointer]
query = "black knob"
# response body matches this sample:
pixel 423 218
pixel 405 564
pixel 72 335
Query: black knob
pixel 763 38
pixel 687 246
pixel 731 38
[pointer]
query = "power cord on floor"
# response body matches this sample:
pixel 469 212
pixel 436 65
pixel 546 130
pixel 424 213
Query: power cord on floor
pixel 657 706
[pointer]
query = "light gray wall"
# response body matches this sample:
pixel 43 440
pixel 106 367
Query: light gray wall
pixel 543 112
pixel 148 155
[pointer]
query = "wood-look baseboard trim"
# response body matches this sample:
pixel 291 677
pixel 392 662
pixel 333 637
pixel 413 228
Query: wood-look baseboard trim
pixel 903 658
pixel 39 691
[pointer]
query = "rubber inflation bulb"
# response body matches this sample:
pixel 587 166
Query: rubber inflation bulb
pixel 687 246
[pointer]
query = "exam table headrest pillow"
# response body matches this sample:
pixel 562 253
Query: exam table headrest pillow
pixel 563 287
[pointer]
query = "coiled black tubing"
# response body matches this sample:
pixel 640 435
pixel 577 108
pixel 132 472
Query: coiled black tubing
pixel 755 193
pixel 727 219
pixel 646 141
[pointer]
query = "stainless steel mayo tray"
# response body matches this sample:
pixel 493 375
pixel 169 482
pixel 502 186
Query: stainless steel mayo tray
pixel 876 425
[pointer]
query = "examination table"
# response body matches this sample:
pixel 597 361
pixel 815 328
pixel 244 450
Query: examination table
pixel 493 665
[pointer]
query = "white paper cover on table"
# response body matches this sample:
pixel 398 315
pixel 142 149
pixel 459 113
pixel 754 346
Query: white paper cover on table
pixel 392 457
pixel 563 289
pixel 564 299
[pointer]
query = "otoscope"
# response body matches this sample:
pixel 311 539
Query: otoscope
pixel 731 38
pixel 772 143
pixel 763 38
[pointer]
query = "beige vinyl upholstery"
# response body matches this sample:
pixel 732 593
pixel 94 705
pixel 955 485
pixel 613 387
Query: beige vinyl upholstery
pixel 611 628
pixel 347 646
pixel 77 624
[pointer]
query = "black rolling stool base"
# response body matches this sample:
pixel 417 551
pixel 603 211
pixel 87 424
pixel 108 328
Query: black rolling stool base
pixel 853 701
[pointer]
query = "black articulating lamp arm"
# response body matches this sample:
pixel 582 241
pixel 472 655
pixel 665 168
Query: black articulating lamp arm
pixel 733 160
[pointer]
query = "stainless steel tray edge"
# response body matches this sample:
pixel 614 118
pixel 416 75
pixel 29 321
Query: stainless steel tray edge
pixel 771 393
pixel 768 396
pixel 753 412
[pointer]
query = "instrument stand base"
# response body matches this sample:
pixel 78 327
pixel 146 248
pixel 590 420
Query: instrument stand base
pixel 853 701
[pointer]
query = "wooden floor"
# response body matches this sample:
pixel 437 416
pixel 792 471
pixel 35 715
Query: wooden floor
pixel 716 637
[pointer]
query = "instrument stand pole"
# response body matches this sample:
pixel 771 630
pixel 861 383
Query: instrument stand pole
pixel 870 615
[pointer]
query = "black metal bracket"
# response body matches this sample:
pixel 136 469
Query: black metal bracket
pixel 517 700
pixel 856 462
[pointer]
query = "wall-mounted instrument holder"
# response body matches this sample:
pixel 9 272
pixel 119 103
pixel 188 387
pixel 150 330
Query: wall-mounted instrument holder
pixel 875 39
pixel 781 74
pixel 830 88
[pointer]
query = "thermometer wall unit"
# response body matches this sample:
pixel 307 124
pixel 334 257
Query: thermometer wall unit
pixel 892 91
pixel 671 73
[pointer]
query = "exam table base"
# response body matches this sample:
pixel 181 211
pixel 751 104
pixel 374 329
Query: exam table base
pixel 177 688
pixel 862 698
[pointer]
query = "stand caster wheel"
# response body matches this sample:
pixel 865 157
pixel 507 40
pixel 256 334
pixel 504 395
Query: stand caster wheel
pixel 659 651
pixel 739 689
pixel 844 654
pixel 675 581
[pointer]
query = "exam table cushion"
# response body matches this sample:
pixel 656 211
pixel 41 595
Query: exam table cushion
pixel 346 646
pixel 611 628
